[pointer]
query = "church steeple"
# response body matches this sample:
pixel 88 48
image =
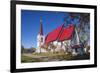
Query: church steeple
pixel 40 38
pixel 41 28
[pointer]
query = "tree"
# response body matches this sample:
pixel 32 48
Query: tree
pixel 85 26
pixel 81 22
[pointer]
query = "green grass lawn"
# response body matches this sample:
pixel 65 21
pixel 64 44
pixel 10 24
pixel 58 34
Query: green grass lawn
pixel 49 54
pixel 45 57
pixel 26 59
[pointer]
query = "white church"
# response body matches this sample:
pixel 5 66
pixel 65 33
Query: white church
pixel 65 45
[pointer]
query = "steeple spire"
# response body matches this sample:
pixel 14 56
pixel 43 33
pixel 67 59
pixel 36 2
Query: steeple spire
pixel 41 28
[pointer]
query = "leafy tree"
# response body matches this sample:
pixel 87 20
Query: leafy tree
pixel 81 22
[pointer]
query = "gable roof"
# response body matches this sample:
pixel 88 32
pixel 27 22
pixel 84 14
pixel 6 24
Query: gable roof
pixel 52 36
pixel 66 33
pixel 60 34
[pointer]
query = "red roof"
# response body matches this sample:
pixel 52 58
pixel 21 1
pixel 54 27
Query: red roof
pixel 60 34
pixel 52 36
pixel 66 33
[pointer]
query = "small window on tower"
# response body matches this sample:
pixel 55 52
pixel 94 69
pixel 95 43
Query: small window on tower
pixel 41 39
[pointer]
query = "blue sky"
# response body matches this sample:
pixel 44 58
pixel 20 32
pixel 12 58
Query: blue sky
pixel 30 24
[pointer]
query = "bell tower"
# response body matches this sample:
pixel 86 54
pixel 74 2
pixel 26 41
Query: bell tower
pixel 40 38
